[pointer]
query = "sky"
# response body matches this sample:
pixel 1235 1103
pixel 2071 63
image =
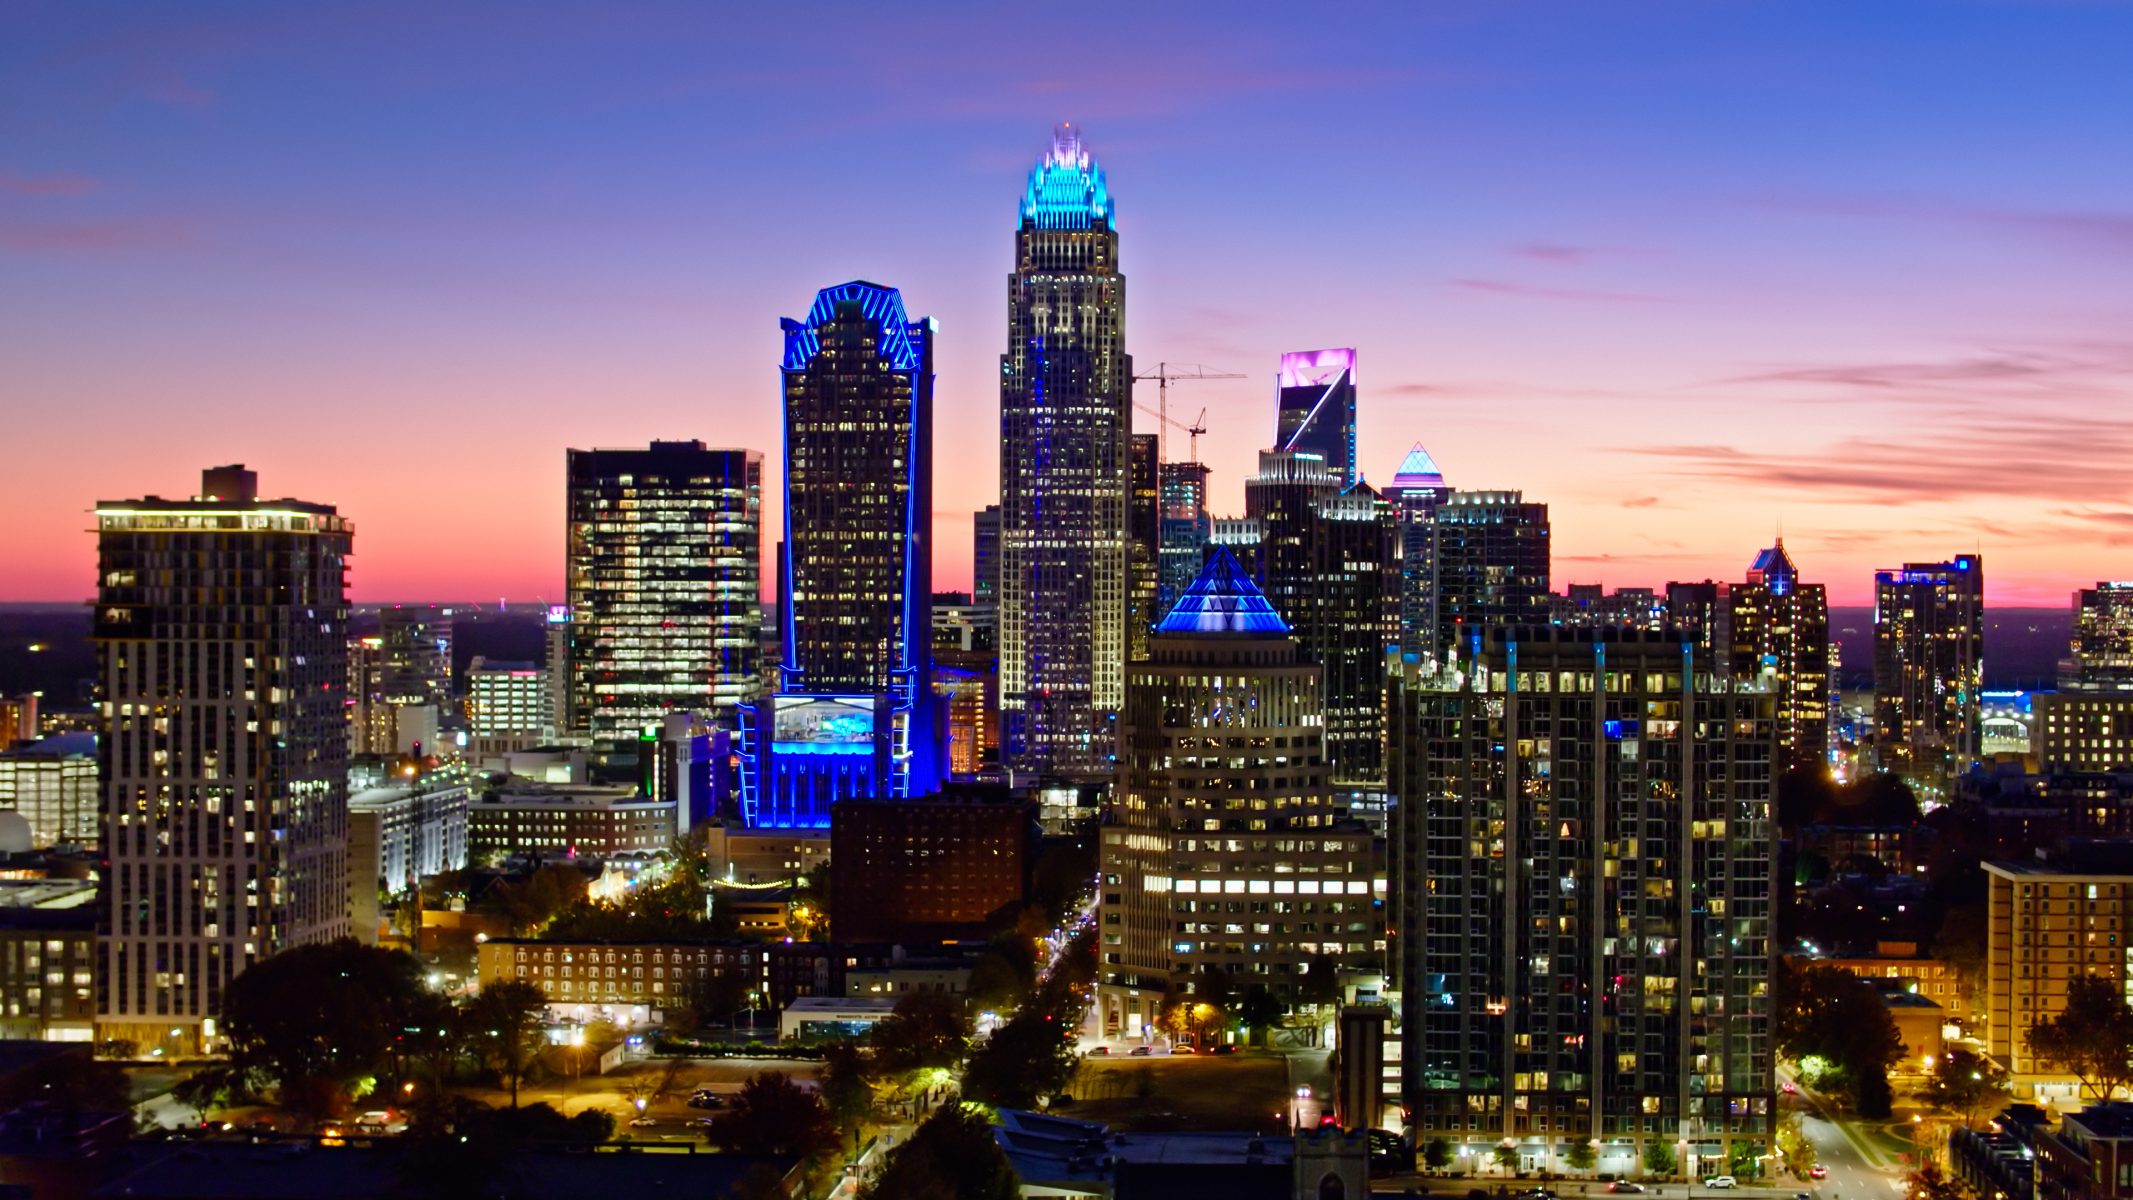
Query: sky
pixel 1690 273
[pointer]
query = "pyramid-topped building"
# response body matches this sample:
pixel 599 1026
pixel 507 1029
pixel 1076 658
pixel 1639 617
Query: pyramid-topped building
pixel 1223 600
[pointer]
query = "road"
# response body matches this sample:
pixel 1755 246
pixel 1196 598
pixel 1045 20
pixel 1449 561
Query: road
pixel 1853 1173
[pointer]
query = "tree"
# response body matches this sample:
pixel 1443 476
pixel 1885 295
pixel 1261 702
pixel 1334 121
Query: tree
pixel 1506 1156
pixel 2091 1039
pixel 1028 1059
pixel 1258 1011
pixel 506 1020
pixel 1579 1155
pixel 1743 1161
pixel 774 1115
pixel 1968 1084
pixel 1792 1142
pixel 1928 1183
pixel 1659 1160
pixel 926 1029
pixel 313 1020
pixel 953 1156
pixel 1320 986
pixel 846 1087
pixel 1003 976
pixel 1828 1013
pixel 1437 1154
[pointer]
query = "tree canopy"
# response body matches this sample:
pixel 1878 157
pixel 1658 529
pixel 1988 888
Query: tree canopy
pixel 774 1115
pixel 1829 1013
pixel 2091 1039
pixel 314 1019
pixel 952 1156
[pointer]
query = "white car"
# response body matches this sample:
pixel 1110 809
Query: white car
pixel 1721 1182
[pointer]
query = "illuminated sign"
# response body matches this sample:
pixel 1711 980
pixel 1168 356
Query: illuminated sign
pixel 826 724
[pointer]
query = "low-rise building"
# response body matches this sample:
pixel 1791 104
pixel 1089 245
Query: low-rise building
pixel 588 821
pixel 48 959
pixel 1999 1160
pixel 507 707
pixel 817 1017
pixel 52 782
pixel 742 855
pixel 938 867
pixel 1899 967
pixel 399 834
pixel 713 978
pixel 2089 1156
pixel 2046 924
pixel 2083 730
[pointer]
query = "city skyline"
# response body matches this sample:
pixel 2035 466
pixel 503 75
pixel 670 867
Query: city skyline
pixel 1747 290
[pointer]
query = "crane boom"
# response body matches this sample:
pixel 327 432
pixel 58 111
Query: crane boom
pixel 1163 374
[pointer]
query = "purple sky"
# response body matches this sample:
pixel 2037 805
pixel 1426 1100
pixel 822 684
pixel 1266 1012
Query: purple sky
pixel 1685 271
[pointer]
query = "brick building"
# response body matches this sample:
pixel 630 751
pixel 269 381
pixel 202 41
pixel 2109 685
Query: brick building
pixel 937 867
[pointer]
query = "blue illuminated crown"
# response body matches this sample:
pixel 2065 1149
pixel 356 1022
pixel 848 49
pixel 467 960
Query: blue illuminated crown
pixel 1223 600
pixel 1066 189
pixel 884 306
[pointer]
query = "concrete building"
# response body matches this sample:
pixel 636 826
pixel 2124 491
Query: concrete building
pixel 48 959
pixel 936 867
pixel 52 782
pixel 2046 924
pixel 2082 730
pixel 591 821
pixel 1898 967
pixel 1779 625
pixel 1222 849
pixel 508 707
pixel 400 834
pixel 1582 893
pixel 1417 489
pixel 742 855
pixel 18 719
pixel 226 815
pixel 2089 1156
pixel 1929 646
pixel 1493 560
pixel 1183 527
pixel 713 978
pixel 1066 421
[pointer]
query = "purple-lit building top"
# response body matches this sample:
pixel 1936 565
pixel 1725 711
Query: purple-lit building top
pixel 1315 408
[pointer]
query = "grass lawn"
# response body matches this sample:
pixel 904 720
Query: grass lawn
pixel 1163 1093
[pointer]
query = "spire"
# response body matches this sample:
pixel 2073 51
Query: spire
pixel 1223 600
pixel 1417 470
pixel 1066 188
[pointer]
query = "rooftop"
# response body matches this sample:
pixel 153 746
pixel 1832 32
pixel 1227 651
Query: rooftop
pixel 1223 600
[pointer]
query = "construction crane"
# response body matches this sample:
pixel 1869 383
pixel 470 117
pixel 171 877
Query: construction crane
pixel 1163 375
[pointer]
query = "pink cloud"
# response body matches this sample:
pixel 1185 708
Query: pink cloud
pixel 63 184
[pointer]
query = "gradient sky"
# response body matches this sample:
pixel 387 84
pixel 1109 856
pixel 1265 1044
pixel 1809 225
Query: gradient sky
pixel 1685 271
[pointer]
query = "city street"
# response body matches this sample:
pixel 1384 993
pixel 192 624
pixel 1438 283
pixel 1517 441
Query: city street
pixel 1856 1169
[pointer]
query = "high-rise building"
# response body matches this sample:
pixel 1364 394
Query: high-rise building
pixel 18 718
pixel 1780 625
pixel 985 556
pixel 1314 409
pixel 222 634
pixel 1702 611
pixel 854 714
pixel 1416 490
pixel 2046 924
pixel 417 648
pixel 1929 641
pixel 372 728
pixel 52 783
pixel 2101 658
pixel 664 578
pixel 1582 882
pixel 1492 566
pixel 1328 560
pixel 930 867
pixel 555 667
pixel 1222 849
pixel 1183 530
pixel 1066 414
pixel 507 707
pixel 1144 534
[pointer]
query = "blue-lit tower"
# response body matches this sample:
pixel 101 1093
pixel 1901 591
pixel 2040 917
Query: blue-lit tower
pixel 854 714
pixel 1066 417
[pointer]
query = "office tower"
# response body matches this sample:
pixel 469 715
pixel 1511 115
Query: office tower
pixel 372 727
pixel 1416 490
pixel 2048 922
pixel 1929 639
pixel 1222 850
pixel 854 714
pixel 1182 532
pixel 1328 560
pixel 1582 886
pixel 1314 409
pixel 507 706
pixel 51 783
pixel 1780 626
pixel 1066 413
pixel 18 718
pixel 555 668
pixel 664 580
pixel 1492 566
pixel 222 634
pixel 985 556
pixel 2101 658
pixel 417 648
pixel 1703 612
pixel 1144 535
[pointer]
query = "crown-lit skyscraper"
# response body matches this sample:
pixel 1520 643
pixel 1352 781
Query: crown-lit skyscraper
pixel 855 714
pixel 222 634
pixel 1779 625
pixel 1416 490
pixel 1929 650
pixel 1066 420
pixel 1314 409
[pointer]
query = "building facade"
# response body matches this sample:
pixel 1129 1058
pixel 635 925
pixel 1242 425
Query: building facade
pixel 508 707
pixel 2045 925
pixel 2101 652
pixel 1582 893
pixel 664 573
pixel 52 783
pixel 1222 849
pixel 416 644
pixel 1314 409
pixel 399 835
pixel 1493 562
pixel 2082 730
pixel 936 867
pixel 48 959
pixel 716 978
pixel 1144 542
pixel 222 636
pixel 1183 531
pixel 579 822
pixel 1929 649
pixel 1780 625
pixel 1416 490
pixel 1066 418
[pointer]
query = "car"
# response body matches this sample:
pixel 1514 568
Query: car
pixel 1625 1187
pixel 1536 1193
pixel 1790 1088
pixel 1225 1048
pixel 1141 1052
pixel 1095 1051
pixel 1721 1182
pixel 1183 1050
pixel 1818 1171
pixel 642 1122
pixel 1802 1196
pixel 707 1100
pixel 702 1122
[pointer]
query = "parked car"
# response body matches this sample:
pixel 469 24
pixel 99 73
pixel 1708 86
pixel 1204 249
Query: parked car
pixel 1225 1048
pixel 1536 1193
pixel 642 1122
pixel 1789 1088
pixel 1095 1051
pixel 1141 1052
pixel 1183 1050
pixel 1818 1171
pixel 1626 1188
pixel 706 1099
pixel 1721 1182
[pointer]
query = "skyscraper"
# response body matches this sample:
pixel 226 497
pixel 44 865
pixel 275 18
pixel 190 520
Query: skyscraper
pixel 1328 560
pixel 1492 566
pixel 1582 886
pixel 2101 649
pixel 1066 407
pixel 985 556
pixel 855 713
pixel 1314 409
pixel 1184 530
pixel 1929 643
pixel 1144 532
pixel 664 578
pixel 417 645
pixel 222 637
pixel 1222 850
pixel 1416 490
pixel 1780 625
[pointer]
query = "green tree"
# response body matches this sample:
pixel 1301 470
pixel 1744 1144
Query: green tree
pixel 1928 1183
pixel 925 1030
pixel 1320 986
pixel 847 1086
pixel 774 1115
pixel 1744 1160
pixel 1659 1160
pixel 1968 1084
pixel 1257 1012
pixel 1437 1154
pixel 1826 1012
pixel 313 1020
pixel 1026 1060
pixel 2091 1039
pixel 506 1021
pixel 1579 1154
pixel 953 1156
pixel 1792 1142
pixel 1506 1156
pixel 1004 975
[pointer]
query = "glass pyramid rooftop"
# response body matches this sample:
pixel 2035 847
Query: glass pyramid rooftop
pixel 1418 469
pixel 1223 600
